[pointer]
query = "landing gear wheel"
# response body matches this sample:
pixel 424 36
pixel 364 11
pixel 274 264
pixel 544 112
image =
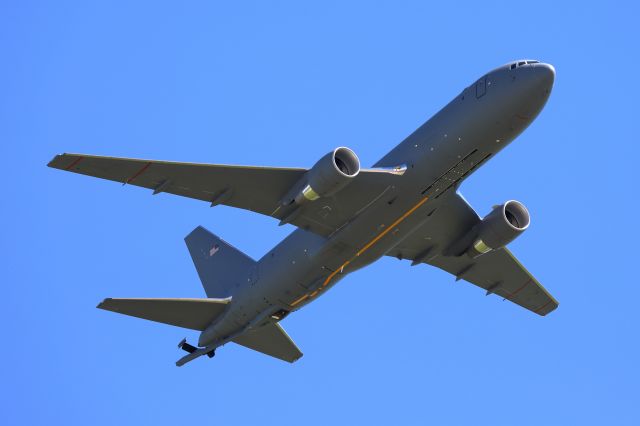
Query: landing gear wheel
pixel 211 354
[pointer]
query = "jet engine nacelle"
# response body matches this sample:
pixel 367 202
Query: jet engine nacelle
pixel 329 175
pixel 499 228
pixel 495 230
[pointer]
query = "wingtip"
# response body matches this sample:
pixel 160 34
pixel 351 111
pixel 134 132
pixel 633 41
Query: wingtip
pixel 65 161
pixel 553 307
pixel 52 162
pixel 102 304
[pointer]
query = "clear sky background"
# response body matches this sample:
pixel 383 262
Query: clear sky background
pixel 274 83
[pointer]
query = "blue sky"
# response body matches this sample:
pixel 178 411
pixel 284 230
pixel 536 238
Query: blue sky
pixel 282 84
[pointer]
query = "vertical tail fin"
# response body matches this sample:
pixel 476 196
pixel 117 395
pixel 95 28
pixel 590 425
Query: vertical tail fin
pixel 220 265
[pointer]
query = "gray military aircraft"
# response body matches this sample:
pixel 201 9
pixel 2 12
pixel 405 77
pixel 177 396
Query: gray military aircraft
pixel 406 206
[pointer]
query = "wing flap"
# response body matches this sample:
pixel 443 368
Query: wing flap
pixel 195 314
pixel 271 340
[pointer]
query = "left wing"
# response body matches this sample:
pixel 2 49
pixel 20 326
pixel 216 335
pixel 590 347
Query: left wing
pixel 258 189
pixel 496 272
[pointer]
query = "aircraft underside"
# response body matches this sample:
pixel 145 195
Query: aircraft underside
pixel 406 206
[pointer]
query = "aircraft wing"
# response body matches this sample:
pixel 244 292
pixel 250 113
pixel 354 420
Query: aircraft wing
pixel 497 272
pixel 258 189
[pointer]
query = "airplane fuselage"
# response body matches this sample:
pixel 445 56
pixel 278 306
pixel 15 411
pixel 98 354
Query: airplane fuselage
pixel 438 156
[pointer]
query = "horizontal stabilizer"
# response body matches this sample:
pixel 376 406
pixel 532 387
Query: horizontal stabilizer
pixel 195 314
pixel 271 340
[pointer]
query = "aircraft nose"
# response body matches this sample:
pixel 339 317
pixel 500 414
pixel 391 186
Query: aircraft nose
pixel 537 77
pixel 532 84
pixel 546 75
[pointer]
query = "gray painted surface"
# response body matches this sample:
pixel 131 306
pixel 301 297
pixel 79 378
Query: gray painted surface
pixel 406 206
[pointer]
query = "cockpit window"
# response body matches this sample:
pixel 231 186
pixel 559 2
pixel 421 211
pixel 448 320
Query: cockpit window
pixel 521 63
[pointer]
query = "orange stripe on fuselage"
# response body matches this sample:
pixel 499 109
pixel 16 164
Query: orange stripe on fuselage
pixel 365 248
pixel 295 302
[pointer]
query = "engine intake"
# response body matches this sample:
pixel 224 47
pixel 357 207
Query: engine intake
pixel 329 175
pixel 499 228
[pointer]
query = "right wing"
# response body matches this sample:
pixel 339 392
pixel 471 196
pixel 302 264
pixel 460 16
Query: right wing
pixel 501 273
pixel 258 189
pixel 271 340
pixel 497 272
